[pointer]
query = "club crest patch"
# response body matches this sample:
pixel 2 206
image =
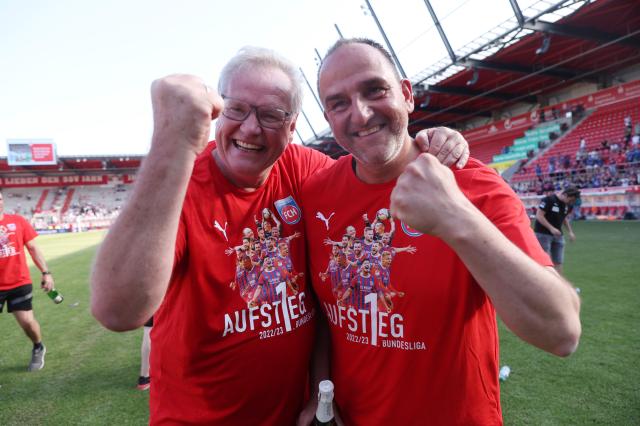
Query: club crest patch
pixel 11 226
pixel 288 210
pixel 410 231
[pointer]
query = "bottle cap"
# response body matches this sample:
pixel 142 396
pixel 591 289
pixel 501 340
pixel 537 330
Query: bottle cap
pixel 326 386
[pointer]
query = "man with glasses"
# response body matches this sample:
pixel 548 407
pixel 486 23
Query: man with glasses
pixel 216 359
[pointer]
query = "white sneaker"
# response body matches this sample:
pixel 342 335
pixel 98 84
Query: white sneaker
pixel 37 359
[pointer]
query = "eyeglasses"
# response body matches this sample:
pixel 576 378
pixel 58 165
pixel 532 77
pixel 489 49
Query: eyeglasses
pixel 268 116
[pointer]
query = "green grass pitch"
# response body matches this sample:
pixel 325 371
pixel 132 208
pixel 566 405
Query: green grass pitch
pixel 90 373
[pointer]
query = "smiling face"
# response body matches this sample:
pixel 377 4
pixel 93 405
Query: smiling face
pixel 366 104
pixel 357 247
pixel 245 151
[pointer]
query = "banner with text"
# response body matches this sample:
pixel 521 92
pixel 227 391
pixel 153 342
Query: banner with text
pixel 598 99
pixel 31 152
pixel 65 180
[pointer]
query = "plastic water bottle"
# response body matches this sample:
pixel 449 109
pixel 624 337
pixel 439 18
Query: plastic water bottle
pixel 504 373
pixel 55 296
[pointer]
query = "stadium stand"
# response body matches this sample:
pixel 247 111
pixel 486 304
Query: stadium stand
pixel 579 90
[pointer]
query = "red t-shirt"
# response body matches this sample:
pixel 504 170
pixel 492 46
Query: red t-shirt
pixel 215 359
pixel 428 352
pixel 15 232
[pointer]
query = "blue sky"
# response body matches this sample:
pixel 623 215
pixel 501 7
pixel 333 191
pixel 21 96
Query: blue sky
pixel 79 71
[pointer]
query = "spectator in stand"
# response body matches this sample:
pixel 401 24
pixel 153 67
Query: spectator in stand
pixel 627 124
pixel 615 147
pixel 635 139
pixel 554 113
pixel 583 145
pixel 16 234
pixel 551 215
pixel 552 164
pixel 566 161
pixel 538 171
pixel 548 187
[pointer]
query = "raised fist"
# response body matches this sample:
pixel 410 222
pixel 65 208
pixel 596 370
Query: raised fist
pixel 183 107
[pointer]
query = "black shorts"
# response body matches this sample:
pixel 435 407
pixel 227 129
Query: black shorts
pixel 149 323
pixel 18 299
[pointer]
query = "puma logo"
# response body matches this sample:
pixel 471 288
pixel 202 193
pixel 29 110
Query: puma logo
pixel 326 220
pixel 221 229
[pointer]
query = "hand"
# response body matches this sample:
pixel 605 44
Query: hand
pixel 447 145
pixel 555 232
pixel 183 108
pixel 47 283
pixel 427 198
pixel 572 236
pixel 308 413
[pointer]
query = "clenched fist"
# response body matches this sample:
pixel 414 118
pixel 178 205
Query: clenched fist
pixel 183 108
pixel 427 198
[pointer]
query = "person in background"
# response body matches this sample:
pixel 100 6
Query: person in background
pixel 550 217
pixel 144 380
pixel 16 289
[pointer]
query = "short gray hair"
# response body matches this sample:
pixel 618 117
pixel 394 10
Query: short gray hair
pixel 250 56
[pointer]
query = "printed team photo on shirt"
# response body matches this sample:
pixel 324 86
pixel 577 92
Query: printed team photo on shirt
pixel 358 272
pixel 264 262
pixel 361 265
pixel 7 248
pixel 265 277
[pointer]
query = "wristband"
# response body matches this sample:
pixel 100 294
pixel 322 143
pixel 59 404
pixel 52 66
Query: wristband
pixel 46 273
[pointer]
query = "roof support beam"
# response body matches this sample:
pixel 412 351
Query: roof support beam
pixel 517 12
pixel 463 91
pixel 443 36
pixel 457 111
pixel 561 73
pixel 424 124
pixel 581 33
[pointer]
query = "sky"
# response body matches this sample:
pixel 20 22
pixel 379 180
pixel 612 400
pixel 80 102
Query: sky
pixel 79 71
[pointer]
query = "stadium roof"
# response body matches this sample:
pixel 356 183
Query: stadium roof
pixel 542 47
pixel 540 54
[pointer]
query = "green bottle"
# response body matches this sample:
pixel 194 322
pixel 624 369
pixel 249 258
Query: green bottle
pixel 55 296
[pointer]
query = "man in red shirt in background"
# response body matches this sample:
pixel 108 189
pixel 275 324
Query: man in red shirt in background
pixel 15 283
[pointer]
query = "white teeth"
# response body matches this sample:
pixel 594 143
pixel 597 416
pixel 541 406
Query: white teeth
pixel 247 145
pixel 369 131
